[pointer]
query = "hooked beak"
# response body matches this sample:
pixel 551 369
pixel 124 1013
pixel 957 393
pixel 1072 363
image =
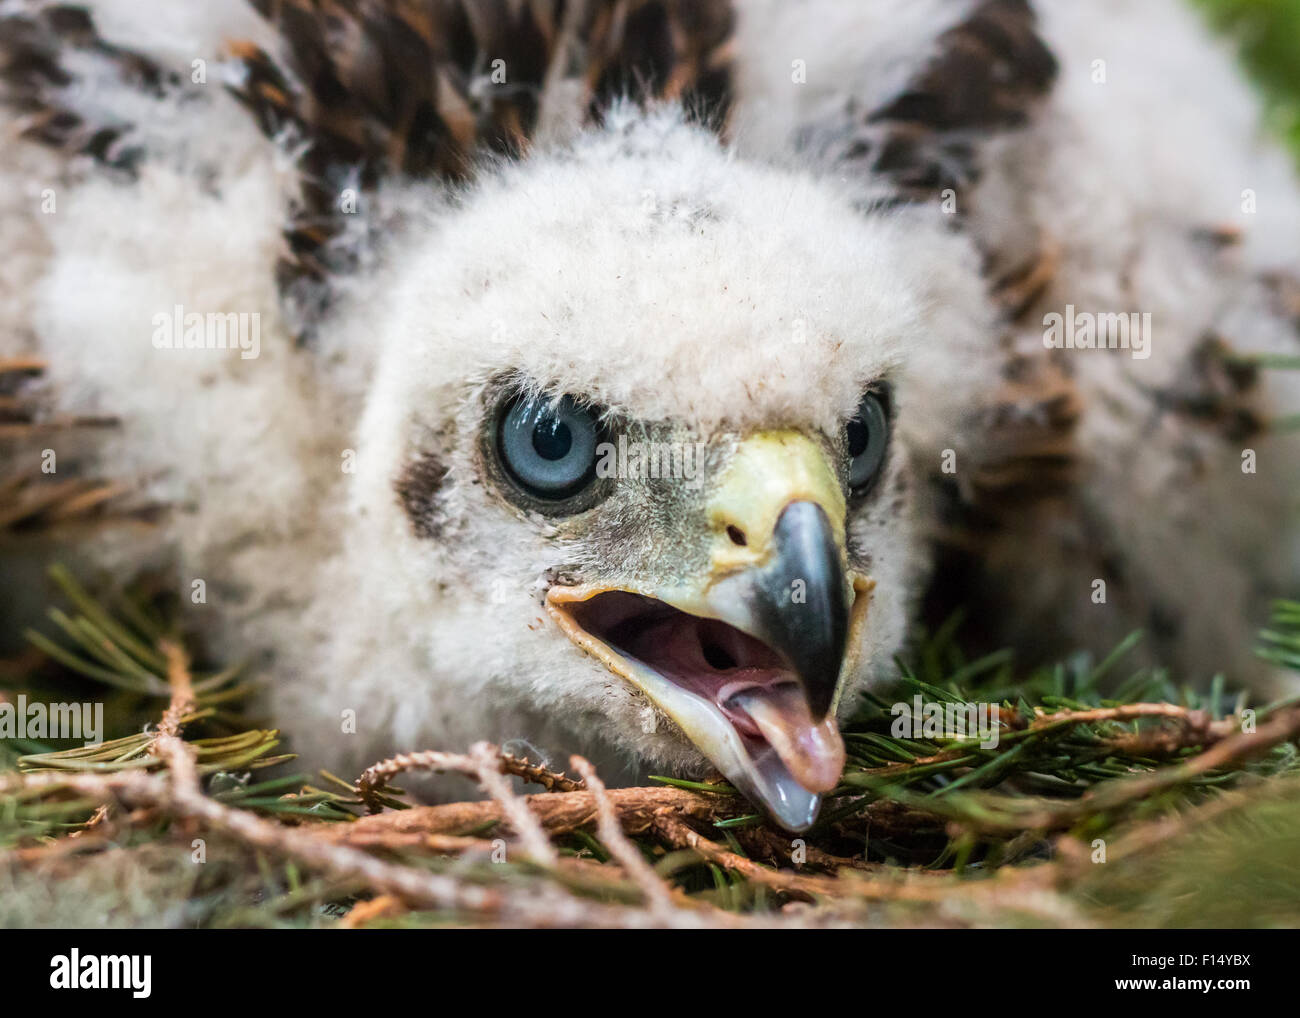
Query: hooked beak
pixel 747 658
pixel 798 602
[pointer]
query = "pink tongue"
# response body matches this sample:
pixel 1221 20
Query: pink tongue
pixel 812 752
pixel 757 693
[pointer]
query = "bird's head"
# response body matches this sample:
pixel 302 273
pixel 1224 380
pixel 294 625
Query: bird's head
pixel 646 412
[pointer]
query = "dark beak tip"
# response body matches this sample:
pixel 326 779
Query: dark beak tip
pixel 810 631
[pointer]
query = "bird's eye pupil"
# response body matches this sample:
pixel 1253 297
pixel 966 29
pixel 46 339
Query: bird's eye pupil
pixel 548 446
pixel 866 438
pixel 552 439
pixel 858 437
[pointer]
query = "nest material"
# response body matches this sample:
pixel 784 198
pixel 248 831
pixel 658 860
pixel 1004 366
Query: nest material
pixel 1079 816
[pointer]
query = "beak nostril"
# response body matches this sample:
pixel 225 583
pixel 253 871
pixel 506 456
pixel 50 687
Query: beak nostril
pixel 737 535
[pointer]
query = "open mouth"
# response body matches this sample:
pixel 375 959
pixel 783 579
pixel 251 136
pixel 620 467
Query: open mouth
pixel 736 697
pixel 746 657
pixel 743 678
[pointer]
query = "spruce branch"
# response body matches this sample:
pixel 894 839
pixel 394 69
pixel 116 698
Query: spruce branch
pixel 920 830
pixel 376 777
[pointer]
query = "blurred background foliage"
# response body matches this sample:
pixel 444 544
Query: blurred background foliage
pixel 1267 33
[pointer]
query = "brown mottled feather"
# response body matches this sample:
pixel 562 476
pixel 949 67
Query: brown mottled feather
pixel 31 499
pixel 404 87
pixel 1027 446
pixel 369 89
pixel 669 49
pixel 987 73
pixel 1285 292
pixel 34 81
pixel 1214 389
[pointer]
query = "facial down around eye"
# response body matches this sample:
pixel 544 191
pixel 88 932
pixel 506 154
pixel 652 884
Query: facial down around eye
pixel 867 437
pixel 548 447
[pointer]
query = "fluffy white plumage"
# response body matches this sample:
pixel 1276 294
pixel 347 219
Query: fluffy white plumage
pixel 670 279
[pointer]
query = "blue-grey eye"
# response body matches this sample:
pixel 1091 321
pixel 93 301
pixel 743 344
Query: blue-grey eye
pixel 549 447
pixel 867 436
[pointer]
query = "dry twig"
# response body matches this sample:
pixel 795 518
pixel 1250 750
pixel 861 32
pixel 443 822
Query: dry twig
pixel 376 777
pixel 624 852
pixel 486 762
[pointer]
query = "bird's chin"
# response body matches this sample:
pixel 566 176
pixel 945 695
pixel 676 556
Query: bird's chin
pixel 733 696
